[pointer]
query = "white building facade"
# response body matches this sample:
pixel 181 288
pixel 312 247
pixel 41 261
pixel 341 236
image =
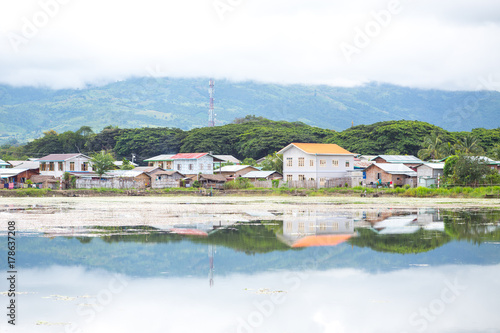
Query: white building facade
pixel 316 161
pixel 57 164
pixel 194 163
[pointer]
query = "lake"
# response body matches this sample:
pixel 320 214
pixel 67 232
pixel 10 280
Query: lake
pixel 299 269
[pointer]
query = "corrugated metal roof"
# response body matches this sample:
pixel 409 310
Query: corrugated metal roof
pixel 228 158
pixel 11 172
pixel 234 168
pixel 167 157
pixel 396 169
pixel 438 166
pixel 319 148
pixel 60 157
pixel 25 164
pixel 188 156
pixel 258 174
pixel 399 158
pixel 125 173
pixel 2 162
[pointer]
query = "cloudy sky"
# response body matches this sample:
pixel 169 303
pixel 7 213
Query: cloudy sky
pixel 452 45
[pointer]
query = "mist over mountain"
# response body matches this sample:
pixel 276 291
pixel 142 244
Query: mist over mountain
pixel 183 103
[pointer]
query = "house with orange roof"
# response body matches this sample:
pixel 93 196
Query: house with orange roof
pixel 316 161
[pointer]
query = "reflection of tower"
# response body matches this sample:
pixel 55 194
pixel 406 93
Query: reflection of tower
pixel 211 113
pixel 211 252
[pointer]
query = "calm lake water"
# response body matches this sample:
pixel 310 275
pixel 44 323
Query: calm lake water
pixel 419 270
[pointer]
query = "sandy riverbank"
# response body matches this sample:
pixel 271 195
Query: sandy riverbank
pixel 38 214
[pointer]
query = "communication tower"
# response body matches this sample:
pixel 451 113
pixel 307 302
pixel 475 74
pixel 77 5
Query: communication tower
pixel 211 113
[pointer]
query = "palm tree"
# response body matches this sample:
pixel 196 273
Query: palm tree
pixel 432 144
pixel 469 145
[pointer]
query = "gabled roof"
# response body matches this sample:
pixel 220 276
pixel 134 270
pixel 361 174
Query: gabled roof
pixel 189 156
pixel 120 163
pixel 11 172
pixel 228 158
pixel 60 157
pixel 215 178
pixel 399 158
pixel 395 169
pixel 147 169
pixel 318 148
pixel 437 166
pixel 259 174
pixel 126 173
pixel 160 158
pixel 2 162
pixel 25 164
pixel 234 168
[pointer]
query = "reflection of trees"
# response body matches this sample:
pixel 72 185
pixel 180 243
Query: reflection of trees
pixel 420 241
pixel 473 226
pixel 251 239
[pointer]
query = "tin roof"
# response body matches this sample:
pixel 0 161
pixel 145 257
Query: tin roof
pixel 25 164
pixel 167 157
pixel 318 148
pixel 396 169
pixel 189 156
pixel 399 158
pixel 438 166
pixel 60 157
pixel 234 168
pixel 2 162
pixel 11 172
pixel 258 174
pixel 228 158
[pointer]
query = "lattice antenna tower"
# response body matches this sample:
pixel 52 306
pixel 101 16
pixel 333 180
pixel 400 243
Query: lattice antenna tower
pixel 211 113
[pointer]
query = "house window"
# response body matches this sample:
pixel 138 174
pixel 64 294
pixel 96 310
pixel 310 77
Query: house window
pixel 347 224
pixel 289 178
pixel 301 227
pixel 160 165
pixel 302 177
pixel 379 176
pixel 322 180
pixel 85 166
pixel 179 167
pixel 322 163
pixel 150 164
pixel 289 162
pixel 346 164
pixel 322 226
pixel 311 163
pixel 51 166
pixel 289 225
pixel 335 226
pixel 43 166
pixel 301 161
pixel 60 165
pixel 71 166
pixel 201 166
pixel 190 167
pixel 335 163
pixel 209 166
pixel 311 179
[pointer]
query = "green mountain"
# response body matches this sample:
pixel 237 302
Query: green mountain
pixel 183 103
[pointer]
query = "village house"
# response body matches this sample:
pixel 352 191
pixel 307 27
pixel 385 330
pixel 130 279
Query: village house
pixel 428 174
pixel 14 177
pixel 211 180
pixel 408 160
pixel 4 165
pixel 57 164
pixel 390 174
pixel 226 159
pixel 41 181
pixel 316 161
pixel 235 171
pixel 161 161
pixel 266 175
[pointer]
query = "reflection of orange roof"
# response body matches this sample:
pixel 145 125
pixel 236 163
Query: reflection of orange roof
pixel 322 240
pixel 189 232
pixel 321 148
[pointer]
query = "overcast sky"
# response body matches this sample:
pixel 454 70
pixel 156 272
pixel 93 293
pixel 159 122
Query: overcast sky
pixel 452 45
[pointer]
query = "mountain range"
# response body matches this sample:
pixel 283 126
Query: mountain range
pixel 26 112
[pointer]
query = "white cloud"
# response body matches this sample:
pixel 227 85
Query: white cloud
pixel 444 45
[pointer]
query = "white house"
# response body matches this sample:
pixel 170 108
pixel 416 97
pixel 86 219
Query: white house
pixel 57 164
pixel 428 173
pixel 194 163
pixel 316 161
pixel 161 161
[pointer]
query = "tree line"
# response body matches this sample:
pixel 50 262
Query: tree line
pixel 256 137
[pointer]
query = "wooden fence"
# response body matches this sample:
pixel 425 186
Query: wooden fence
pixel 109 183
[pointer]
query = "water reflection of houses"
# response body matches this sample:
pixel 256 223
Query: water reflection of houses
pixel 398 222
pixel 312 228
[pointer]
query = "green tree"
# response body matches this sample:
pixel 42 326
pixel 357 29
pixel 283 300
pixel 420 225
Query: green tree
pixel 102 162
pixel 468 170
pixel 469 145
pixel 249 161
pixel 273 162
pixel 126 165
pixel 432 147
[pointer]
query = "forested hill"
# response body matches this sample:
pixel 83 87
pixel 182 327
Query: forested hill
pixel 25 113
pixel 252 137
